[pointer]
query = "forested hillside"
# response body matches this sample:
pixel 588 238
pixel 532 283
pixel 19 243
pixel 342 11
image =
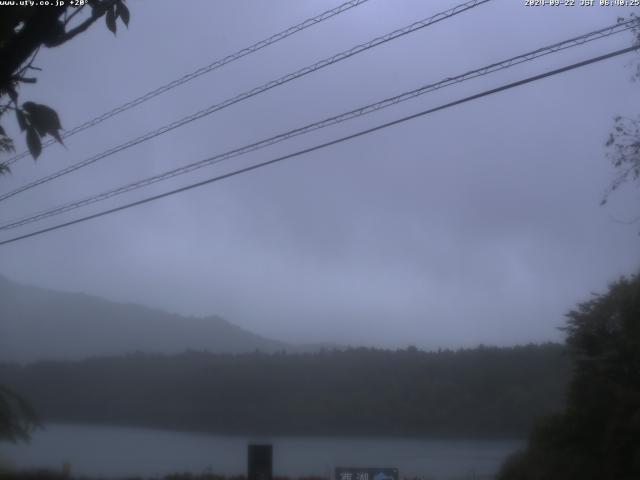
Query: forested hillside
pixel 478 392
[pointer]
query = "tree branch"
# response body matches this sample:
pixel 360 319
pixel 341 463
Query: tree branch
pixel 17 50
pixel 70 17
pixel 29 64
pixel 95 15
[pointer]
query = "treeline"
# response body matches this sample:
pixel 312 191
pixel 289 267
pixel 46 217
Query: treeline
pixel 474 392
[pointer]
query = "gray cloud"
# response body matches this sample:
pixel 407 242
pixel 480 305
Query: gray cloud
pixel 477 224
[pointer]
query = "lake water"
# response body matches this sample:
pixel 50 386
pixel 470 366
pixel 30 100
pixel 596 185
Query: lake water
pixel 121 451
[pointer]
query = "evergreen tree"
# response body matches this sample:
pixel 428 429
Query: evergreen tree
pixel 597 436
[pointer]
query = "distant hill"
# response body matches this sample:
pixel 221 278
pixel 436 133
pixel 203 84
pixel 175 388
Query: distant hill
pixel 38 324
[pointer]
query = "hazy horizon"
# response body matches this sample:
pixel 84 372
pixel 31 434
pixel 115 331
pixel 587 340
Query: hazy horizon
pixel 27 348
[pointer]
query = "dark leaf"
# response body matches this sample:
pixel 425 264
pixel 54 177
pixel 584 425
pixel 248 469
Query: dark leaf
pixel 33 142
pixel 123 12
pixel 6 144
pixel 55 134
pixel 610 140
pixel 2 131
pixel 44 119
pixel 22 121
pixel 34 119
pixel 110 19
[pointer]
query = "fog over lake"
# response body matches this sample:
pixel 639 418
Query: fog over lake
pixel 120 451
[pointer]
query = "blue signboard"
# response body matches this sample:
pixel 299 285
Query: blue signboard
pixel 355 473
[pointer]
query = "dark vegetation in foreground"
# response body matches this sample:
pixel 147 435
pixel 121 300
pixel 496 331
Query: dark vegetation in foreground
pixel 51 475
pixel 473 393
pixel 597 434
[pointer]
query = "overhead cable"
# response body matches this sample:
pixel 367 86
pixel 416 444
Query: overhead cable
pixel 248 94
pixel 494 67
pixel 326 144
pixel 199 72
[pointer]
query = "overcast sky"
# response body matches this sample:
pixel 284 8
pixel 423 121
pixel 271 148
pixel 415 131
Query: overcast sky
pixel 478 224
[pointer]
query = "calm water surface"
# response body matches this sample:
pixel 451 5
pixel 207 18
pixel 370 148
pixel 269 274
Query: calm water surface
pixel 120 451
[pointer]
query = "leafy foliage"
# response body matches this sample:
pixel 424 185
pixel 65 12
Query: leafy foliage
pixel 23 31
pixel 478 392
pixel 624 151
pixel 121 11
pixel 6 146
pixel 17 417
pixel 624 140
pixel 596 436
pixel 38 121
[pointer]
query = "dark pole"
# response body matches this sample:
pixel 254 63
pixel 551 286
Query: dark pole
pixel 260 462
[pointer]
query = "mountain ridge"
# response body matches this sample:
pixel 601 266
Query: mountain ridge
pixel 43 324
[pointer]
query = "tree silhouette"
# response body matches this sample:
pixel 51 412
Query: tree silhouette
pixel 24 30
pixel 596 436
pixel 17 417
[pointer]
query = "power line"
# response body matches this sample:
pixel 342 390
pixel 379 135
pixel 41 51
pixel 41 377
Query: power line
pixel 243 96
pixel 330 143
pixel 540 52
pixel 201 71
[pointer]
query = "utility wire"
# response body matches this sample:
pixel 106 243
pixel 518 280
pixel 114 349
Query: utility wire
pixel 540 52
pixel 327 144
pixel 243 96
pixel 201 71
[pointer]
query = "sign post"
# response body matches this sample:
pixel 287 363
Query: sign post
pixel 355 473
